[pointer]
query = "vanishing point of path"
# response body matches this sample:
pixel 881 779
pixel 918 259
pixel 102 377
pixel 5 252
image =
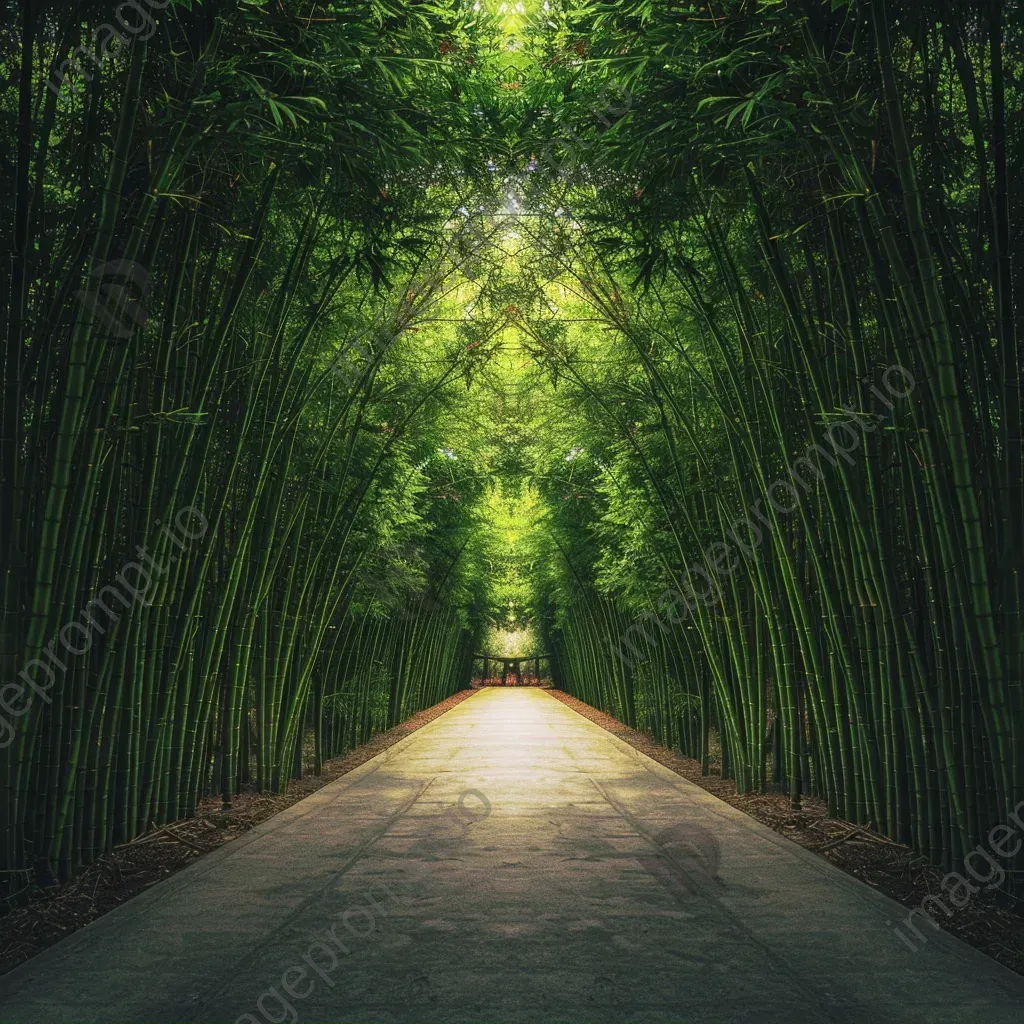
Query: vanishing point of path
pixel 600 887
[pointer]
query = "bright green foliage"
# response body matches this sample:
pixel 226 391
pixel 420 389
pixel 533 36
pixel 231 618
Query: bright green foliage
pixel 473 324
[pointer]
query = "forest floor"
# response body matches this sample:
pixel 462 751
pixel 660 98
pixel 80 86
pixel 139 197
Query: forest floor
pixel 59 910
pixel 991 922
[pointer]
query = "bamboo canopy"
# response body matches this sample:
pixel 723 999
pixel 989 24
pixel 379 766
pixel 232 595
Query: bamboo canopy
pixel 325 356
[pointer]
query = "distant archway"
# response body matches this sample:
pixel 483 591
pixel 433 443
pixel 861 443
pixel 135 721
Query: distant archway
pixel 494 670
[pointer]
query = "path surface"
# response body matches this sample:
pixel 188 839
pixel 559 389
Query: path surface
pixel 600 888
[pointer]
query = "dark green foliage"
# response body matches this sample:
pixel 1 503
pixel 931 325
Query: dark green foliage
pixel 219 240
pixel 802 196
pixel 442 317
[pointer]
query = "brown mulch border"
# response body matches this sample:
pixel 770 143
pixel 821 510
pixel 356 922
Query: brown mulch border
pixel 991 922
pixel 116 877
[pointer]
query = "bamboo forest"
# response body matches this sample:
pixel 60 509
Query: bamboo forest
pixel 662 356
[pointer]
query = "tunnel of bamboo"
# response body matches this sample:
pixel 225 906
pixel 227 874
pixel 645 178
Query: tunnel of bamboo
pixel 677 345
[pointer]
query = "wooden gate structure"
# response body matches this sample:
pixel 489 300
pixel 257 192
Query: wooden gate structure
pixel 512 666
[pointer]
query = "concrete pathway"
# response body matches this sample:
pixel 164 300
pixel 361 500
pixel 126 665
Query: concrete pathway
pixel 510 862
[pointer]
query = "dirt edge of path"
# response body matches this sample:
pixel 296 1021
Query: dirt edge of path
pixel 991 922
pixel 116 877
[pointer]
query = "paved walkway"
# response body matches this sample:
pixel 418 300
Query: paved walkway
pixel 510 862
